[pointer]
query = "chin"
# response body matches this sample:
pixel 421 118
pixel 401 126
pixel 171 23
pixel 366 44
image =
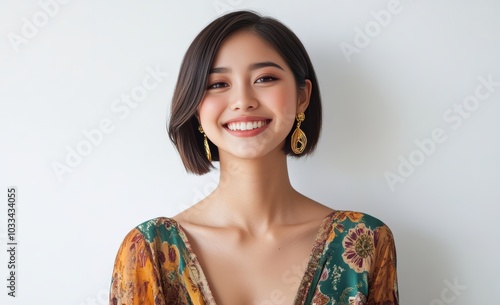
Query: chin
pixel 260 151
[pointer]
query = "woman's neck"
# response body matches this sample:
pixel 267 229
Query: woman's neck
pixel 253 195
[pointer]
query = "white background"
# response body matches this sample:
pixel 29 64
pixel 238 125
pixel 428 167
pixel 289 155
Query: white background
pixel 63 78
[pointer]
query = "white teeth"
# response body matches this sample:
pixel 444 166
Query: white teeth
pixel 246 125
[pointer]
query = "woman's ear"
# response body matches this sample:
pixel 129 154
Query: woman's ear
pixel 304 96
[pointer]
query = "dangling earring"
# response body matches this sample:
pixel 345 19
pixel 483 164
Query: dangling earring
pixel 299 139
pixel 205 144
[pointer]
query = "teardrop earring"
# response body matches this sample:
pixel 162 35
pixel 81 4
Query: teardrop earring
pixel 205 144
pixel 299 139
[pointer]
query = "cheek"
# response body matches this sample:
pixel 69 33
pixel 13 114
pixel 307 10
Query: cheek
pixel 209 108
pixel 285 102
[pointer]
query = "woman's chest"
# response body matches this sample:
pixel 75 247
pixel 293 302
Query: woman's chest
pixel 258 273
pixel 256 276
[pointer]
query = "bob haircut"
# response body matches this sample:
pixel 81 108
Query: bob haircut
pixel 193 77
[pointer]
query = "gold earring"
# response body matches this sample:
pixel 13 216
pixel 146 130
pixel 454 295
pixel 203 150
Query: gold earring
pixel 205 144
pixel 299 139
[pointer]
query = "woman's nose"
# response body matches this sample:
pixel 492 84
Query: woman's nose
pixel 243 99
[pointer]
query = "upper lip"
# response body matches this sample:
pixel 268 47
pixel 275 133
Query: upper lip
pixel 247 119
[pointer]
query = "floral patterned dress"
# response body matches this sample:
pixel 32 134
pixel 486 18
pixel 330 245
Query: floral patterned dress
pixel 353 262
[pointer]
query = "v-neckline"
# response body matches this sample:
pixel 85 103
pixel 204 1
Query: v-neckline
pixel 307 277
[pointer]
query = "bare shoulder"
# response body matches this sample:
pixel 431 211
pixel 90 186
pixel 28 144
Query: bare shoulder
pixel 199 221
pixel 197 212
pixel 313 211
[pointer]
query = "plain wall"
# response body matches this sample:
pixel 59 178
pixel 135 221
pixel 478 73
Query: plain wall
pixel 411 133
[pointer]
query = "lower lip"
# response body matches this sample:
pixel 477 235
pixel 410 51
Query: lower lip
pixel 247 133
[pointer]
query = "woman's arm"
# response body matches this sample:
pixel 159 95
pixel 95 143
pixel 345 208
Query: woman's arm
pixel 135 279
pixel 383 278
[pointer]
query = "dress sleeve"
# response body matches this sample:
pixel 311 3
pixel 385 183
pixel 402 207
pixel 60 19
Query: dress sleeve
pixel 383 281
pixel 135 278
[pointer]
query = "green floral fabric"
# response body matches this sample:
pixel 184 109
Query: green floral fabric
pixel 353 262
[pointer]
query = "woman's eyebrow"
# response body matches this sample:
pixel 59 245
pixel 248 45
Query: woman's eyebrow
pixel 264 64
pixel 255 66
pixel 219 70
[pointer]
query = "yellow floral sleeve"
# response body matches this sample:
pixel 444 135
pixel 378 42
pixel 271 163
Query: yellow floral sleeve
pixel 383 279
pixel 135 279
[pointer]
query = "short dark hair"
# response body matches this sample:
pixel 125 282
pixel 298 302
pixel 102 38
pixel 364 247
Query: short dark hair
pixel 193 76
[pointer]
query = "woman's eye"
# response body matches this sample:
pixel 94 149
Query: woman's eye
pixel 265 79
pixel 217 85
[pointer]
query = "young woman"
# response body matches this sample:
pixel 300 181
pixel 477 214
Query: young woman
pixel 247 97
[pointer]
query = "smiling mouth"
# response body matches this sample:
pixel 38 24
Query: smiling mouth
pixel 234 126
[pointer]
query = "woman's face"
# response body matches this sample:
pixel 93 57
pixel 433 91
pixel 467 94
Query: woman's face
pixel 251 98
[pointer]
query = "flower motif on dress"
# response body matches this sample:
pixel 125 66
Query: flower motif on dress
pixel 358 299
pixel 138 247
pixel 338 226
pixel 324 275
pixel 169 256
pixel 353 216
pixel 358 248
pixel 320 299
pixel 335 226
